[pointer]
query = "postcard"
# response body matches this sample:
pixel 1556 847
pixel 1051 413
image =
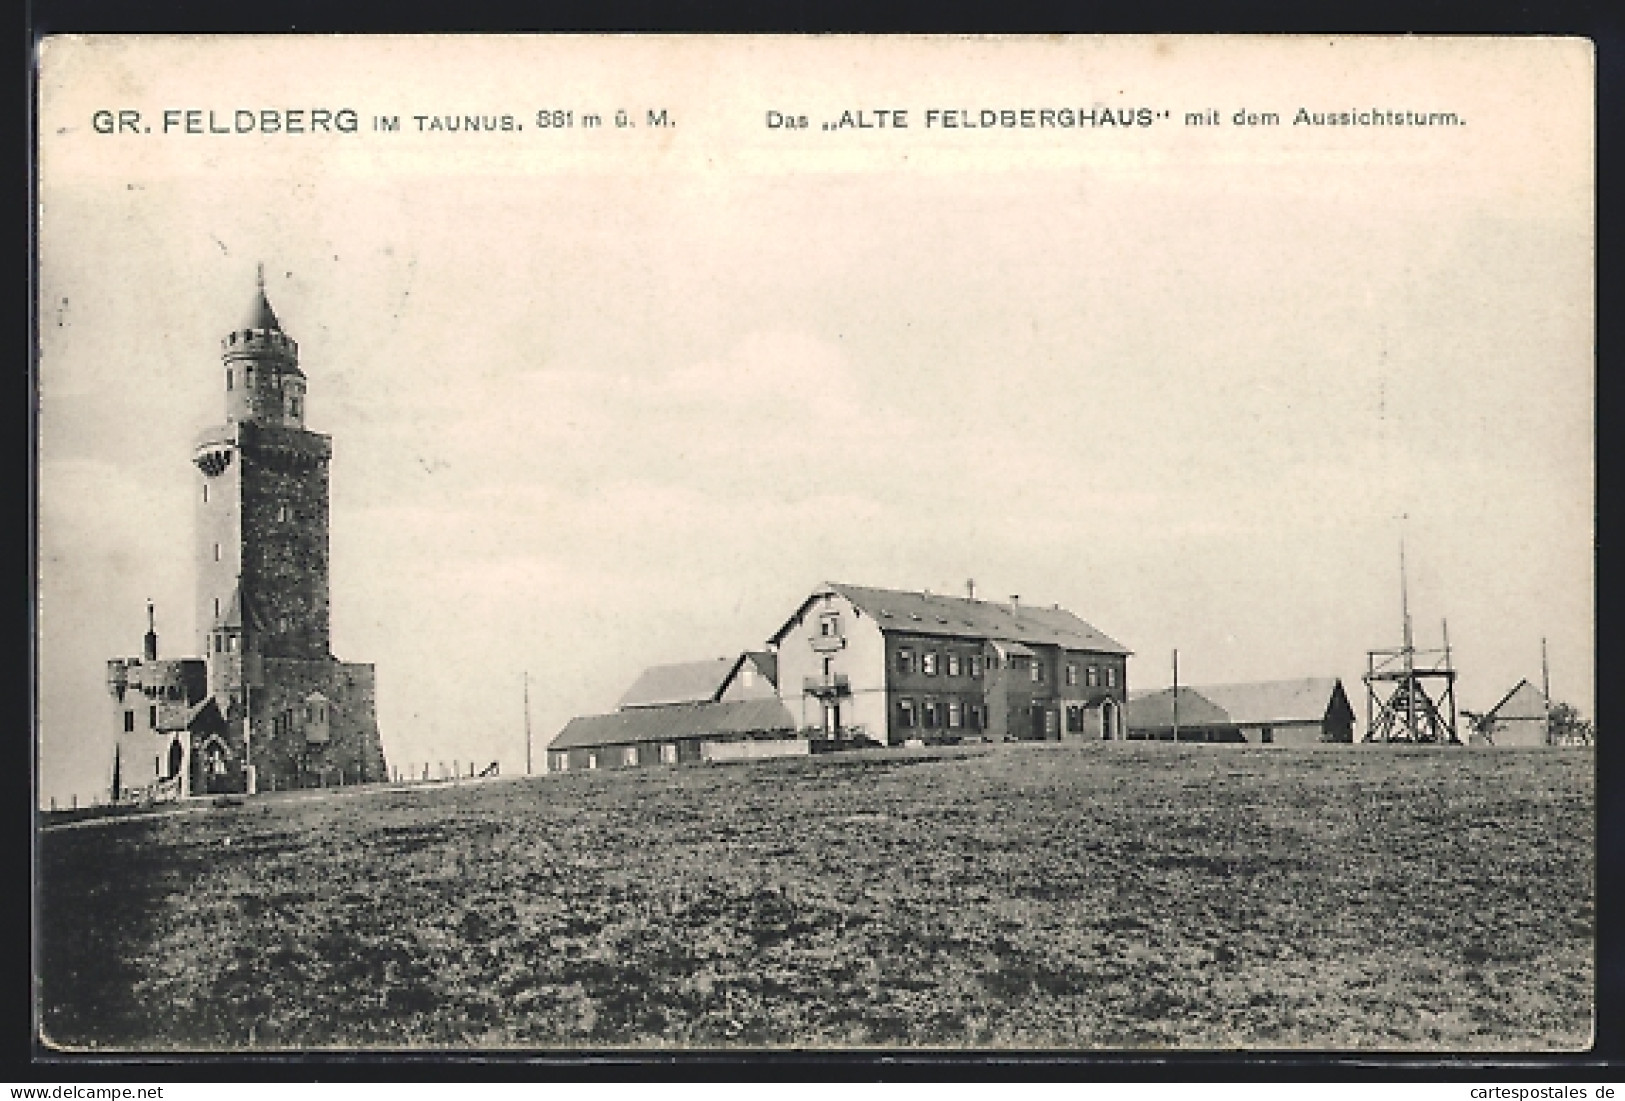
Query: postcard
pixel 679 543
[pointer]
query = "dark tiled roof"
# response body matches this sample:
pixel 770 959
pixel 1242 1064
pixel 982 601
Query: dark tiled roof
pixel 919 613
pixel 665 724
pixel 681 682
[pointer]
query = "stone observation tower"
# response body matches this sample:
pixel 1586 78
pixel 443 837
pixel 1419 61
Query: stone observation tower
pixel 268 706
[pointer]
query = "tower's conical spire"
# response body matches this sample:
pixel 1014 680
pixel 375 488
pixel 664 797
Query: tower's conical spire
pixel 260 314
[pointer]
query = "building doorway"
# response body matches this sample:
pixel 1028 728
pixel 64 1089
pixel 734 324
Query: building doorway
pixel 1111 718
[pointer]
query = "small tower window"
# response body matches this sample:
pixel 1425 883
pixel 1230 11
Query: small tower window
pixel 217 558
pixel 228 378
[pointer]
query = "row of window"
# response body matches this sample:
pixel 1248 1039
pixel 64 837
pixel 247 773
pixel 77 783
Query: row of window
pixel 932 714
pixel 628 755
pixel 951 664
pixel 1092 675
pixel 930 662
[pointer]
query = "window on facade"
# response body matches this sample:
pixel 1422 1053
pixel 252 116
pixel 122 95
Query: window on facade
pixel 231 644
pixel 1093 676
pixel 955 716
pixel 1071 673
pixel 592 760
pixel 1050 721
pixel 293 406
pixel 905 661
pixel 973 716
pixel 1266 735
pixel 829 625
pixel 976 665
pixel 282 513
pixel 228 378
pixel 747 676
pixel 561 762
pixel 953 665
pixel 217 611
pixel 1111 676
pixel 217 552
pixel 905 714
pixel 152 716
pixel 668 754
pixel 931 719
pixel 629 756
pixel 1074 719
pixel 928 663
pixel 1036 668
pixel 129 721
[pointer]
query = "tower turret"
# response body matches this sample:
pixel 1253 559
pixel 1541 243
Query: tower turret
pixel 263 380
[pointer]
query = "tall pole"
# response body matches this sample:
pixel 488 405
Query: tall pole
pixel 1546 689
pixel 1409 652
pixel 1176 695
pixel 527 722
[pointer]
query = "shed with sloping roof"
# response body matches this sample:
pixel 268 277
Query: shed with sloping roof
pixel 1183 713
pixel 1519 719
pixel 673 734
pixel 1305 711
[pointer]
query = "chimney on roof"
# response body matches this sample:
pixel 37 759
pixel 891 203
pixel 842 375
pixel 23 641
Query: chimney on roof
pixel 970 588
pixel 150 648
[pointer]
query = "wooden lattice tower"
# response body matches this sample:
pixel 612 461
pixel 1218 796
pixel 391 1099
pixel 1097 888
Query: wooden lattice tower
pixel 1411 692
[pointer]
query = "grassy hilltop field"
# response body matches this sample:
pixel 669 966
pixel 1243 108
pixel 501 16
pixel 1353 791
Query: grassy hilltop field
pixel 1026 896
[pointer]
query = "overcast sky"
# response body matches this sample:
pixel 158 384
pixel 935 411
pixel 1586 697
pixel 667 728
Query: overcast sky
pixel 595 407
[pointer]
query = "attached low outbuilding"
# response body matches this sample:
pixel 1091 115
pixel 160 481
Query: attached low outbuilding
pixel 676 734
